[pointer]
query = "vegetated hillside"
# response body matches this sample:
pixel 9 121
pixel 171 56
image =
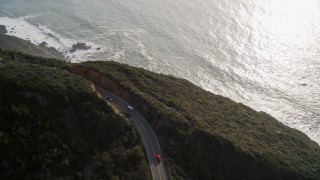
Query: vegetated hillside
pixel 207 136
pixel 54 125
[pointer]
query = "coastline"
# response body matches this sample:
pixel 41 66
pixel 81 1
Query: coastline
pixel 17 44
pixel 37 34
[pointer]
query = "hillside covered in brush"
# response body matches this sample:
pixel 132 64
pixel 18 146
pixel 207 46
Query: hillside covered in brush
pixel 53 125
pixel 207 136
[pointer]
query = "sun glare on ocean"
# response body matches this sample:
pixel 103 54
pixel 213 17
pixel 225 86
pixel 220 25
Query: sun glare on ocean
pixel 282 27
pixel 290 21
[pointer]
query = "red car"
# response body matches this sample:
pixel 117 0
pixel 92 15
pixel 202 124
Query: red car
pixel 158 157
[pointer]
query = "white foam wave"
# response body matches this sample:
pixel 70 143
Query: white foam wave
pixel 25 29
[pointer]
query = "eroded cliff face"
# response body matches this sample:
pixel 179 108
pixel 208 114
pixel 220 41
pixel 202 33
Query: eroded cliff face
pixel 191 150
pixel 157 120
pixel 160 121
pixel 109 83
pixel 101 80
pixel 164 125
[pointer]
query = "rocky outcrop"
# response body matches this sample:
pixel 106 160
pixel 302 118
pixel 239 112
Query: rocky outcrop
pixel 81 46
pixel 3 29
pixel 43 44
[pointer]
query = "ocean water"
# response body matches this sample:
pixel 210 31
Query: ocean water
pixel 262 53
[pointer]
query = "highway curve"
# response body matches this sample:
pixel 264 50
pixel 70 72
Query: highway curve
pixel 147 135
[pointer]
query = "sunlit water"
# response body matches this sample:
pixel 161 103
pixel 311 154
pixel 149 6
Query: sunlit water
pixel 263 53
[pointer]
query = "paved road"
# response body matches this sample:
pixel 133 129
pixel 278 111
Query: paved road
pixel 147 135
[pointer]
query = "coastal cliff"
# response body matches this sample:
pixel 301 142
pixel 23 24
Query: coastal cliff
pixel 203 135
pixel 206 136
pixel 18 44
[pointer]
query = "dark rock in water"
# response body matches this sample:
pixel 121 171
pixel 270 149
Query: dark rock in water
pixel 81 46
pixel 43 44
pixel 3 29
pixel 98 48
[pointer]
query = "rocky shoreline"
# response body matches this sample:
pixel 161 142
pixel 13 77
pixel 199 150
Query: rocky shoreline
pixel 18 44
pixel 14 43
pixel 50 44
pixel 3 29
